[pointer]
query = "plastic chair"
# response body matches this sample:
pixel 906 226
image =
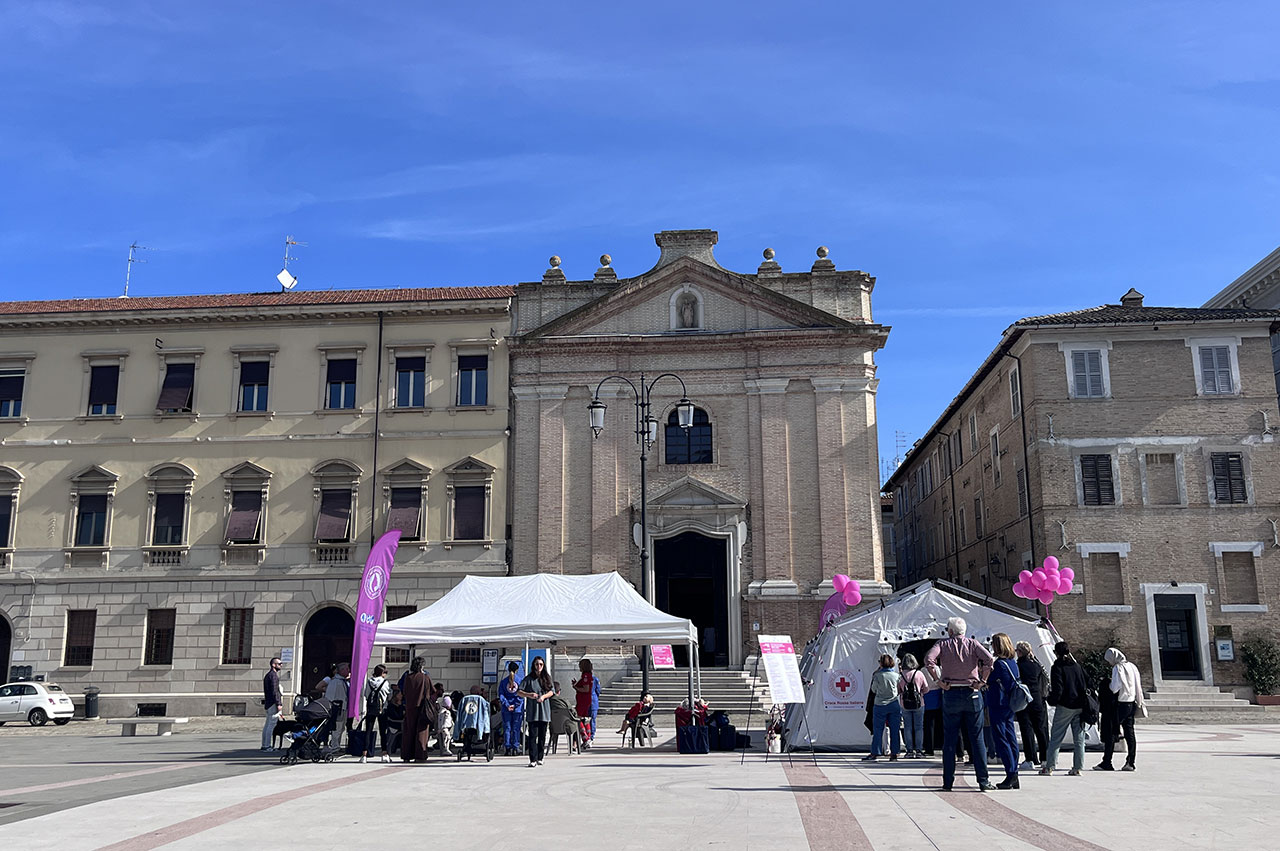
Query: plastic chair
pixel 564 722
pixel 641 727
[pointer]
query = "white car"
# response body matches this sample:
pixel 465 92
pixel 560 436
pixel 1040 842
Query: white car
pixel 35 703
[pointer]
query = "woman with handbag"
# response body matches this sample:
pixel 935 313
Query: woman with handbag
pixel 1123 693
pixel 1001 700
pixel 419 714
pixel 1069 697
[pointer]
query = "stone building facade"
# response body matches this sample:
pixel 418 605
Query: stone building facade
pixel 1258 288
pixel 1138 446
pixel 772 491
pixel 190 485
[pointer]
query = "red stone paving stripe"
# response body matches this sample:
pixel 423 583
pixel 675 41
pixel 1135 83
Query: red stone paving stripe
pixel 829 824
pixel 986 808
pixel 23 790
pixel 217 818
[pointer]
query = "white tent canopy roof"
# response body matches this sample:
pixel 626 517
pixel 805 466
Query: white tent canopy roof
pixel 543 607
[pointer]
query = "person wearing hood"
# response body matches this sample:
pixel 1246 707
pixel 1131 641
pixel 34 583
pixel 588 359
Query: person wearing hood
pixel 512 710
pixel 376 696
pixel 1126 701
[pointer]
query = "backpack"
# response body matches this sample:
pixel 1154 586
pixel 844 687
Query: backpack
pixel 911 698
pixel 1044 680
pixel 376 702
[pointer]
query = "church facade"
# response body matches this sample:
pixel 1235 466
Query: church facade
pixel 774 488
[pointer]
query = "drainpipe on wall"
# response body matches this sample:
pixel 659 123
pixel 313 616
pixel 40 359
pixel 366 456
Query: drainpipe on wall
pixel 1026 464
pixel 377 409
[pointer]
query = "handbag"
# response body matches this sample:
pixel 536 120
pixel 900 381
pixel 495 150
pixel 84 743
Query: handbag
pixel 1019 695
pixel 1092 710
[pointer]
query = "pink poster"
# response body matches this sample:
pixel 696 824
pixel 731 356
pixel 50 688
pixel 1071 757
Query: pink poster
pixel 373 593
pixel 663 657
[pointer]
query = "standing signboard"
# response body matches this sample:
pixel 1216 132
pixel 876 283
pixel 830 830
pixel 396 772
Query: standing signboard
pixel 780 666
pixel 489 665
pixel 663 656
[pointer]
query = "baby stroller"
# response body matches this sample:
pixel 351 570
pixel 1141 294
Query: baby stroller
pixel 307 742
pixel 471 729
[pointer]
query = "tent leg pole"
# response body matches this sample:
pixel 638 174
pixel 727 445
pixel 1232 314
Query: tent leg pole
pixel 755 679
pixel 693 649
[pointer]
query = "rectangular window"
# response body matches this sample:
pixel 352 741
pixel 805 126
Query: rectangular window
pixel 1015 393
pixel 398 655
pixel 170 508
pixel 81 625
pixel 468 514
pixel 104 386
pixel 1215 370
pixel 411 382
pixel 473 380
pixel 1239 579
pixel 237 637
pixel 973 432
pixel 333 525
pixel 6 520
pixel 178 390
pixel 254 376
pixel 1104 584
pixel 244 522
pixel 978 531
pixel 341 384
pixel 1228 478
pixel 957 451
pixel 1086 369
pixel 11 385
pixel 995 456
pixel 91 520
pixel 464 655
pixel 1021 475
pixel 1095 475
pixel 1162 478
pixel 406 509
pixel 964 535
pixel 160 631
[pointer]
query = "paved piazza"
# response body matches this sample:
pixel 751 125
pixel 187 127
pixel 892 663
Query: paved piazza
pixel 81 787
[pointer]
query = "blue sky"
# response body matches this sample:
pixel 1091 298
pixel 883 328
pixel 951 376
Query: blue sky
pixel 984 161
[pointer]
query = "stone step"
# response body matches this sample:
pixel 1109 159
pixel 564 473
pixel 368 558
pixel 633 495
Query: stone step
pixel 1198 700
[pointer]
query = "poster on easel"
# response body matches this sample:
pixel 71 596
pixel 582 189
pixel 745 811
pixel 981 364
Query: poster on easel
pixel 663 656
pixel 778 654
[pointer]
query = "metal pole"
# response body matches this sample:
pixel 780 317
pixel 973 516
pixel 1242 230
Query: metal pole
pixel 642 404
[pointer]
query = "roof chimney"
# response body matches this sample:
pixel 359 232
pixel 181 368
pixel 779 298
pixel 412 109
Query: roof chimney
pixel 1132 298
pixel 697 244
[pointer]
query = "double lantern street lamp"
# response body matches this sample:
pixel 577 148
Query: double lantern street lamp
pixel 646 435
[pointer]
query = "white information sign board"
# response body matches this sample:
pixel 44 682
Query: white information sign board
pixel 286 655
pixel 780 666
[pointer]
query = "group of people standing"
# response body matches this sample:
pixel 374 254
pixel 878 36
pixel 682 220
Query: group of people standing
pixel 984 692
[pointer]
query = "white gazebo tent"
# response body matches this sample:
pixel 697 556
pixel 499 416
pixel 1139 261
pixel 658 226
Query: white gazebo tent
pixel 839 662
pixel 544 607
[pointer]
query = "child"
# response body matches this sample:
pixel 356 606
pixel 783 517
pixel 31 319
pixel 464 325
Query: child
pixel 444 725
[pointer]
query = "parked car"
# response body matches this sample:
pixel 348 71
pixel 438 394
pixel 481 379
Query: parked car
pixel 35 703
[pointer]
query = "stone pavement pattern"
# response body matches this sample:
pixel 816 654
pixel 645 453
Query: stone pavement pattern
pixel 1196 787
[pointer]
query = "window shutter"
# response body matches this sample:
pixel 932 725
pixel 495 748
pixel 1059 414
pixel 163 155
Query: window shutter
pixel 1022 493
pixel 1096 389
pixel 1089 478
pixel 1235 472
pixel 468 513
pixel 342 369
pixel 1080 373
pixel 246 511
pixel 1106 487
pixel 1221 477
pixel 175 394
pixel 405 507
pixel 1222 355
pixel 335 515
pixel 1208 375
pixel 103 383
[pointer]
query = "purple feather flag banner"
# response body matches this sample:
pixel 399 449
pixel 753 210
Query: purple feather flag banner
pixel 373 594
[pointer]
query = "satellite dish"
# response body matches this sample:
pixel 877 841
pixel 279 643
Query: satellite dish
pixel 287 279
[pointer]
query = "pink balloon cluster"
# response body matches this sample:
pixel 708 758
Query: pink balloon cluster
pixel 1043 582
pixel 848 589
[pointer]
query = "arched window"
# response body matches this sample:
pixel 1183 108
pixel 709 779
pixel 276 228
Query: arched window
pixel 689 446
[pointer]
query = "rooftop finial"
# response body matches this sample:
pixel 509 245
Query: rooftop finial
pixel 605 260
pixel 555 261
pixel 823 251
pixel 769 254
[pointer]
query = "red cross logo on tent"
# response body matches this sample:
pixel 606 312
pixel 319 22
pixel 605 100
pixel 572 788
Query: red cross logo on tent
pixel 842 684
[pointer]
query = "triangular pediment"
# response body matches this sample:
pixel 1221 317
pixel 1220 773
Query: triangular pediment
pixel 688 296
pixel 95 475
pixel 470 465
pixel 246 470
pixel 407 468
pixel 688 492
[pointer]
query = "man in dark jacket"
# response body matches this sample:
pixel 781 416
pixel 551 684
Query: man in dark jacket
pixel 1068 695
pixel 1033 722
pixel 272 702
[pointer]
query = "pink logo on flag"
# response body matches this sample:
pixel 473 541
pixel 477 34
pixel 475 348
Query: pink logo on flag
pixel 373 593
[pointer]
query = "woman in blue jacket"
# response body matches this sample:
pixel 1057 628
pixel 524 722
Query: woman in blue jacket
pixel 512 710
pixel 1000 686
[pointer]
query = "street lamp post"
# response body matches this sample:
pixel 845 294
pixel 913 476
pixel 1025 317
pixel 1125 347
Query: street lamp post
pixel 646 434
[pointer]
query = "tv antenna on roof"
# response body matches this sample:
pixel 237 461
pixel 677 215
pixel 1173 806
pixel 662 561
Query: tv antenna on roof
pixel 287 279
pixel 128 271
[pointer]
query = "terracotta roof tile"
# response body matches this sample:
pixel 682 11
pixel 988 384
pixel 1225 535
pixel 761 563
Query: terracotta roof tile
pixel 241 300
pixel 1109 314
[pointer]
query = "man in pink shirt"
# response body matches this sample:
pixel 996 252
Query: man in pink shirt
pixel 961 665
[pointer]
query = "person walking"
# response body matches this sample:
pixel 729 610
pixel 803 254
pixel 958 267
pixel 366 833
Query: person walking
pixel 886 710
pixel 337 692
pixel 961 667
pixel 537 691
pixel 415 735
pixel 1033 722
pixel 1068 695
pixel 999 696
pixel 375 696
pixel 512 710
pixel 587 690
pixel 912 688
pixel 1126 700
pixel 272 702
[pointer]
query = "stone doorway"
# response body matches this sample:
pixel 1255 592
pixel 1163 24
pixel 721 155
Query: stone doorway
pixel 326 641
pixel 691 581
pixel 1176 632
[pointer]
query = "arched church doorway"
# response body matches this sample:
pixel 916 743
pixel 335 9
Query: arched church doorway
pixel 326 641
pixel 691 581
pixel 6 646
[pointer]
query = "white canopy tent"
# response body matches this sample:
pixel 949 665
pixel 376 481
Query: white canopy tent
pixel 544 607
pixel 839 662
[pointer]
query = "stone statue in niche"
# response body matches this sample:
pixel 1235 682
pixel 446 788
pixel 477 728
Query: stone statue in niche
pixel 687 311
